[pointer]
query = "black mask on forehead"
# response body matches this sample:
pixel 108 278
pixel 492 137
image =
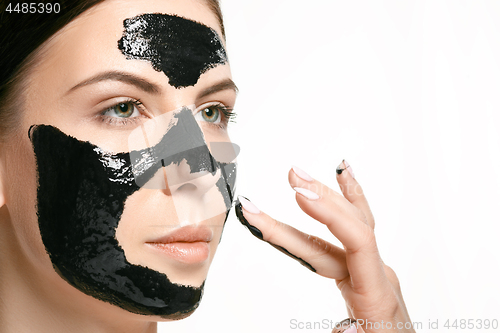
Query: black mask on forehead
pixel 81 197
pixel 181 48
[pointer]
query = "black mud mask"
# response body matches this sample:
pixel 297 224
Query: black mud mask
pixel 81 197
pixel 181 48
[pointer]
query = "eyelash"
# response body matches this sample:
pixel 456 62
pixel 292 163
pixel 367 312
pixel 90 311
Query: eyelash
pixel 228 114
pixel 117 121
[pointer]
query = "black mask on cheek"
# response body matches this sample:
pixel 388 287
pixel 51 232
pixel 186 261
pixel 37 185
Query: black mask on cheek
pixel 81 196
pixel 181 48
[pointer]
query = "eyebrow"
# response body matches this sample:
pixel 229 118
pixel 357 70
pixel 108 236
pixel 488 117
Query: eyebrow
pixel 131 79
pixel 226 84
pixel 147 86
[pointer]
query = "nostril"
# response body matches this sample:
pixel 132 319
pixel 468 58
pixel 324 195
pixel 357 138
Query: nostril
pixel 188 187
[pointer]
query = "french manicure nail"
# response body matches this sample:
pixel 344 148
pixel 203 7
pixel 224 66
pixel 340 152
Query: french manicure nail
pixel 351 329
pixel 345 166
pixel 307 193
pixel 302 174
pixel 248 206
pixel 346 325
pixel 349 168
pixel 238 209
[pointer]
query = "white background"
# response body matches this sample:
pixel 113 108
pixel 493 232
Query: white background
pixel 408 92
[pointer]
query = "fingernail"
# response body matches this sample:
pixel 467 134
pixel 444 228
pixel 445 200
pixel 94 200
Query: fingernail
pixel 248 206
pixel 351 329
pixel 307 193
pixel 239 213
pixel 345 166
pixel 345 325
pixel 302 174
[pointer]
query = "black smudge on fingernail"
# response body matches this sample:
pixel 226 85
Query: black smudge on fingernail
pixel 183 49
pixel 239 213
pixel 300 260
pixel 339 168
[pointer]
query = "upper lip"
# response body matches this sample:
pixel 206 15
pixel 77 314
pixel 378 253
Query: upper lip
pixel 187 234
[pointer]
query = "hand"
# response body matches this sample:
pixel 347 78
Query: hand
pixel 370 288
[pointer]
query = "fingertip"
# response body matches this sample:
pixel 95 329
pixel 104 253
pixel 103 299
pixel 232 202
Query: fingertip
pixel 291 176
pixel 340 168
pixel 344 166
pixel 244 205
pixel 301 173
pixel 247 205
pixel 345 177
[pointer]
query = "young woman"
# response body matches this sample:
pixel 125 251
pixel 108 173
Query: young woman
pixel 117 173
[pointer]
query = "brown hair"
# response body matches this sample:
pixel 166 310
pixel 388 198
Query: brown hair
pixel 22 35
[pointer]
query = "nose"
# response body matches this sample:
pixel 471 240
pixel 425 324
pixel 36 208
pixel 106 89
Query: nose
pixel 181 156
pixel 183 167
pixel 180 178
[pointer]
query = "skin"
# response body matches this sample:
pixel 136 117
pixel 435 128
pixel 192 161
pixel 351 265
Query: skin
pixel 32 295
pixel 370 287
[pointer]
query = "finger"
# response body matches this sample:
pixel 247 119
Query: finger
pixel 298 178
pixel 349 313
pixel 327 206
pixel 352 191
pixel 348 224
pixel 313 252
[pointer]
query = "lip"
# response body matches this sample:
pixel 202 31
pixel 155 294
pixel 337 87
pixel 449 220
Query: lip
pixel 188 245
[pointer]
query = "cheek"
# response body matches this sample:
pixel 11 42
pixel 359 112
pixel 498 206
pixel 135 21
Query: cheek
pixel 150 214
pixel 21 198
pixel 147 213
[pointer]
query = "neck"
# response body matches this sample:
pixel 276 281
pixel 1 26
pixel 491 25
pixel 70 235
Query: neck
pixel 33 298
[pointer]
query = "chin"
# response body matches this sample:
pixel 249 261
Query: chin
pixel 175 316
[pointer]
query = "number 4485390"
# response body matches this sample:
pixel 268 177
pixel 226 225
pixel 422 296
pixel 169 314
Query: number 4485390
pixel 33 7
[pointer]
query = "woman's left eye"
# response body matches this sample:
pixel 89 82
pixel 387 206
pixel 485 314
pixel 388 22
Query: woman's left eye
pixel 217 115
pixel 211 114
pixel 122 110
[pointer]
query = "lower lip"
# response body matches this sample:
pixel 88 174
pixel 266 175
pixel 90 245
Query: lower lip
pixel 189 253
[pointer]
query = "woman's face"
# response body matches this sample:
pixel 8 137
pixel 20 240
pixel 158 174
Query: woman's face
pixel 125 190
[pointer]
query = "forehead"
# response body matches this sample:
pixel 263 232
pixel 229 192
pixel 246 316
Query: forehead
pixel 89 43
pixel 181 48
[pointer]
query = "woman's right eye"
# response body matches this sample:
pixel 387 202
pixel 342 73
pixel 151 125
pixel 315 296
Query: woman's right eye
pixel 122 110
pixel 123 113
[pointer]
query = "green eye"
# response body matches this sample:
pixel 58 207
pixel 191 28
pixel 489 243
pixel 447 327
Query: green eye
pixel 124 110
pixel 211 114
pixel 123 113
